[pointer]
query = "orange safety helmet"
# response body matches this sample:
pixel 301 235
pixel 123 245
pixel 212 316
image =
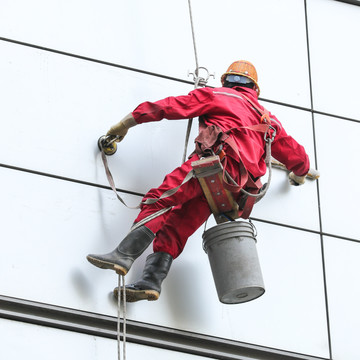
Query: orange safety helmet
pixel 242 68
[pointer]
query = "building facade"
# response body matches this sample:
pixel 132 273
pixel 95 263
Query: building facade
pixel 71 69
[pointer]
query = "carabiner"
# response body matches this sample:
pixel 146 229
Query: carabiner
pixel 270 137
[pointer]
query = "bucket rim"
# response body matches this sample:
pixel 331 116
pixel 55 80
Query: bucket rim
pixel 234 223
pixel 211 235
pixel 208 243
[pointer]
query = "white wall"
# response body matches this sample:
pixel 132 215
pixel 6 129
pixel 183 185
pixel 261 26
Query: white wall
pixel 54 211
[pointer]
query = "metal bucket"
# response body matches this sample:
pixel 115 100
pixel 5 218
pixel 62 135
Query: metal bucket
pixel 231 248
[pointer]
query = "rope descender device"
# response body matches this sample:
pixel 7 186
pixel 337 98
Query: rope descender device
pixel 107 143
pixel 199 80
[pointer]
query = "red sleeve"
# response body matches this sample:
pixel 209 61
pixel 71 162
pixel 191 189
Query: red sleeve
pixel 288 151
pixel 174 108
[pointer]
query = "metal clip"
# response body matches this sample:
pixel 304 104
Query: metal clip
pixel 267 134
pixel 107 143
pixel 199 80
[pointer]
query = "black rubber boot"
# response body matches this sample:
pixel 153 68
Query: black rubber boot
pixel 121 259
pixel 148 287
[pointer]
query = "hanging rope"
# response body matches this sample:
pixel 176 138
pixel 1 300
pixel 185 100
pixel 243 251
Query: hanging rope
pixel 193 35
pixel 198 81
pixel 188 130
pixel 121 286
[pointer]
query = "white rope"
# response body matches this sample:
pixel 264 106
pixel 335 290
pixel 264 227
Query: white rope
pixel 187 137
pixel 188 130
pixel 198 80
pixel 118 321
pixel 121 286
pixel 193 36
pixel 124 316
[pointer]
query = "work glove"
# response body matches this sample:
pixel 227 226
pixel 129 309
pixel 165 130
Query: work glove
pixel 121 128
pixel 296 180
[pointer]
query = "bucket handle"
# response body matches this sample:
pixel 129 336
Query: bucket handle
pixel 250 222
pixel 205 225
pixel 253 227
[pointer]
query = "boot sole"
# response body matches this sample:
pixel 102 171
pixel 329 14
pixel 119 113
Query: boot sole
pixel 137 295
pixel 107 265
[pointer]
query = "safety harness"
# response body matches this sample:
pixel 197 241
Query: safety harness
pixel 218 186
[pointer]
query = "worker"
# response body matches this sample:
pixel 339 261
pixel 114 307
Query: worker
pixel 225 113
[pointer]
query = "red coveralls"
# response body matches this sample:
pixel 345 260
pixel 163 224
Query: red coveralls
pixel 225 108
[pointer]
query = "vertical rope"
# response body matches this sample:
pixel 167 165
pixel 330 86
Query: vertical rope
pixel 124 316
pixel 193 35
pixel 188 130
pixel 187 137
pixel 121 287
pixel 118 320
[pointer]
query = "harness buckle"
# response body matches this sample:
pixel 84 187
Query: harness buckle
pixel 265 118
pixel 220 152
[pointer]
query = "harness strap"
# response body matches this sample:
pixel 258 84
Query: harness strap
pixel 265 127
pixel 111 180
pixel 150 201
pixel 170 192
pixel 210 173
pixel 264 113
pixel 233 186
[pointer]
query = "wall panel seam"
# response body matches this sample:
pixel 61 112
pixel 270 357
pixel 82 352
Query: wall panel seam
pixel 106 63
pixel 352 2
pixel 323 263
pixel 86 183
pixel 64 178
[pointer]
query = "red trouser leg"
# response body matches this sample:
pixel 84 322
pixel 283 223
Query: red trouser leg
pixel 180 224
pixel 190 211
